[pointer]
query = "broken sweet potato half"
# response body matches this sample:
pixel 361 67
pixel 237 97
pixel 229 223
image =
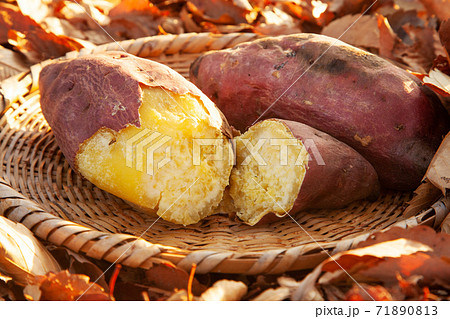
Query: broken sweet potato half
pixel 285 167
pixel 140 131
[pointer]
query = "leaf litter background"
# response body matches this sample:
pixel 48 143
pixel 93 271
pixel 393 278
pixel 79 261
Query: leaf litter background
pixel 398 264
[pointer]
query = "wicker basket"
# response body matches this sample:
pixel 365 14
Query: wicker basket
pixel 38 188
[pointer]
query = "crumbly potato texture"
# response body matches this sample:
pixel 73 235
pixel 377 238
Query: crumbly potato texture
pixel 180 191
pixel 267 182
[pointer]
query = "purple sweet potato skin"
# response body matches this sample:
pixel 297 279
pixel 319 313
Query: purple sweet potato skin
pixel 380 110
pixel 79 96
pixel 343 177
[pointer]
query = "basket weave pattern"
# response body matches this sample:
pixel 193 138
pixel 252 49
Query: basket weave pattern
pixel 39 189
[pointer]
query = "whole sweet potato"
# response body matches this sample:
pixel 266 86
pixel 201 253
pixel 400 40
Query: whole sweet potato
pixel 128 125
pixel 375 107
pixel 285 166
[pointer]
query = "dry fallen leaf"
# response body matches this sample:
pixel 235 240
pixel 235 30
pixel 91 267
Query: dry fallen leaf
pixel 169 277
pixel 22 256
pixel 65 287
pixel 272 294
pixel 368 293
pixel 424 196
pixel 388 38
pixel 180 295
pixel 412 274
pixel 78 264
pixel 30 38
pixel 228 28
pixel 408 5
pixel 134 19
pixel 385 257
pixel 312 13
pixel 421 53
pixel 125 7
pixel 445 227
pixel 433 270
pixel 61 27
pixel 438 171
pixel 440 8
pixel 400 19
pixel 11 63
pixel 442 64
pixel 357 30
pixel 444 36
pixel 276 22
pixel 438 78
pixel 221 11
pixel 81 13
pixel 188 21
pixel 225 290
pixel 6 292
pixel 344 7
pixel 408 39
pixel 36 9
pixel 424 234
pixel 438 81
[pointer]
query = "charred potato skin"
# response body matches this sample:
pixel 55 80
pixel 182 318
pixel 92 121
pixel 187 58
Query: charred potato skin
pixel 80 96
pixel 380 110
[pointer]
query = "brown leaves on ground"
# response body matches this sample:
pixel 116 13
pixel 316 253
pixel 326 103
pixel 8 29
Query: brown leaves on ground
pixel 357 30
pixel 394 265
pixel 10 63
pixel 399 264
pixel 168 277
pixel 132 19
pixel 22 256
pixel 424 196
pixel 404 37
pixel 9 290
pixel 438 172
pixel 225 290
pixel 65 286
pixel 222 11
pixel 78 264
pixel 438 7
pixel 221 290
pixel 404 31
pixel 438 78
pixel 28 37
pixel 29 272
pixel 444 36
pixel 415 41
pixel 274 21
pixel 25 262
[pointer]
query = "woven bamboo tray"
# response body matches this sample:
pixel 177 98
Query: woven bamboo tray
pixel 39 189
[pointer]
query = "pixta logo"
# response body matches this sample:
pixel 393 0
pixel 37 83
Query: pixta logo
pixel 283 145
pixel 141 148
pixel 148 151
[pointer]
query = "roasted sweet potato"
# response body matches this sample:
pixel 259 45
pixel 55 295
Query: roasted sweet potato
pixel 129 126
pixel 284 166
pixel 380 110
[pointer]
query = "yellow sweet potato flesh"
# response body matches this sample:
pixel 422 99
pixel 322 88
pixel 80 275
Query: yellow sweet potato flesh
pixel 271 185
pixel 183 190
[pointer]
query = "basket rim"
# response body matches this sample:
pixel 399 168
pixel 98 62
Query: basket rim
pixel 46 226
